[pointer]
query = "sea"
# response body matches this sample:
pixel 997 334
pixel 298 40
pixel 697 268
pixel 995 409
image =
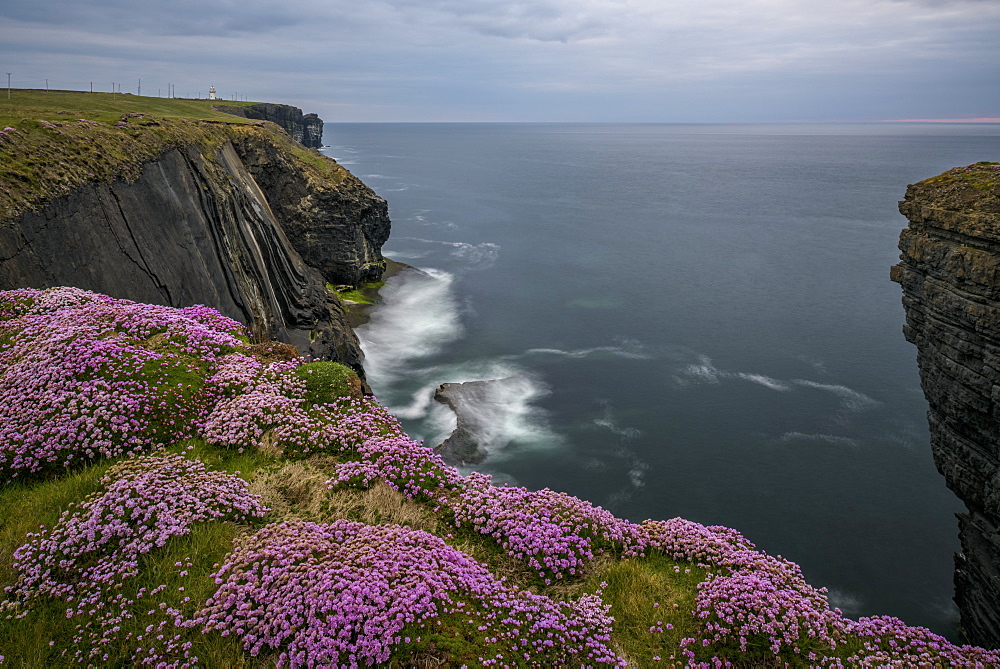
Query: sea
pixel 691 320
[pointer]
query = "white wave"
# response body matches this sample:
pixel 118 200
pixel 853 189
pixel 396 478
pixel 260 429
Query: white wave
pixel 408 254
pixel 502 411
pixel 628 349
pixel 760 379
pixel 481 256
pixel 478 256
pixel 418 316
pixel 440 421
pixel 419 406
pixel 608 422
pixel 637 475
pixel 702 372
pixel 851 399
pixel 828 438
pixel 705 372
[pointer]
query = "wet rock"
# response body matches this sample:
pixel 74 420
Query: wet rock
pixel 471 401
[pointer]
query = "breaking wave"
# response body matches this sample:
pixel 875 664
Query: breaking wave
pixel 418 318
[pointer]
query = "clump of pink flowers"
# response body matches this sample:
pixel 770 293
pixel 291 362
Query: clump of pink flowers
pixel 146 501
pixel 752 601
pixel 257 401
pixel 889 642
pixel 90 553
pixel 403 464
pixel 347 594
pixel 83 376
pixel 555 533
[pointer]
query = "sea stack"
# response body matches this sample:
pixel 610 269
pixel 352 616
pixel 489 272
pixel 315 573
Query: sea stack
pixel 950 274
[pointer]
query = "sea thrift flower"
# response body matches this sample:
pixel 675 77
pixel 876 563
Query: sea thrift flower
pixel 83 375
pixel 93 550
pixel 342 594
pixel 147 501
pixel 555 533
pixel 261 403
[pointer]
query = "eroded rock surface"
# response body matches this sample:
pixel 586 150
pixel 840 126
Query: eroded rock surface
pixel 217 224
pixel 950 274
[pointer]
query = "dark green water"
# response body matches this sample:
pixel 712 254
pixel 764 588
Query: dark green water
pixel 699 321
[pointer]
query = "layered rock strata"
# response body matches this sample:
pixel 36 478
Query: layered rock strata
pixel 337 225
pixel 950 274
pixel 216 221
pixel 306 129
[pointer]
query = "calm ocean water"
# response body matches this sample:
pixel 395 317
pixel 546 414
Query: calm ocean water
pixel 698 320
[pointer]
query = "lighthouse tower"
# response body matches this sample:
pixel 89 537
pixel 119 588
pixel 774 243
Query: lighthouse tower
pixel 211 92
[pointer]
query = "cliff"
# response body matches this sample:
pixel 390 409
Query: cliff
pixel 185 211
pixel 950 274
pixel 306 129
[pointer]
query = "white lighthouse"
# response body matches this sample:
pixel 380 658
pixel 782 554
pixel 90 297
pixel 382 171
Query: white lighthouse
pixel 211 92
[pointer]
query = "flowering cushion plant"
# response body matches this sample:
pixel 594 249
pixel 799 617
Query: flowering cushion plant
pixel 84 376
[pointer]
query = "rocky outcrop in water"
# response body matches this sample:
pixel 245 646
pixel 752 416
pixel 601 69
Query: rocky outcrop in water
pixel 480 409
pixel 462 445
pixel 950 274
pixel 306 129
pixel 217 221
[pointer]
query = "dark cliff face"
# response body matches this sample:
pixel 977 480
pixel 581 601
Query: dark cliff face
pixel 338 228
pixel 195 227
pixel 950 274
pixel 306 129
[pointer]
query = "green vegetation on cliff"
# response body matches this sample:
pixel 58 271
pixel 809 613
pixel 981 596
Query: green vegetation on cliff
pixel 53 142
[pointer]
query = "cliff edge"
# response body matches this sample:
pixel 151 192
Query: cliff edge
pixel 950 274
pixel 179 211
pixel 306 129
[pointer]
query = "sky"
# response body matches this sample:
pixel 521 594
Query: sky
pixel 687 61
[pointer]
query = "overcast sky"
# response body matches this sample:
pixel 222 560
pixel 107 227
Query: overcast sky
pixel 532 60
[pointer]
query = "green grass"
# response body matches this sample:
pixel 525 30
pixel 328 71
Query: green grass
pixel 366 293
pixel 105 107
pixel 52 143
pixel 198 553
pixel 327 381
pixel 981 176
pixel 24 507
pixel 643 592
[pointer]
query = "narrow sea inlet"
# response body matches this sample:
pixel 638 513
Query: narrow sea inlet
pixel 695 321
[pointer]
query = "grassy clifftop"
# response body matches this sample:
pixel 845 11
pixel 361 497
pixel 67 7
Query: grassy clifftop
pixel 53 142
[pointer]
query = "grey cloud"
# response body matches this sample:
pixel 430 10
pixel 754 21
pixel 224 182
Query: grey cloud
pixel 643 60
pixel 177 17
pixel 540 20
